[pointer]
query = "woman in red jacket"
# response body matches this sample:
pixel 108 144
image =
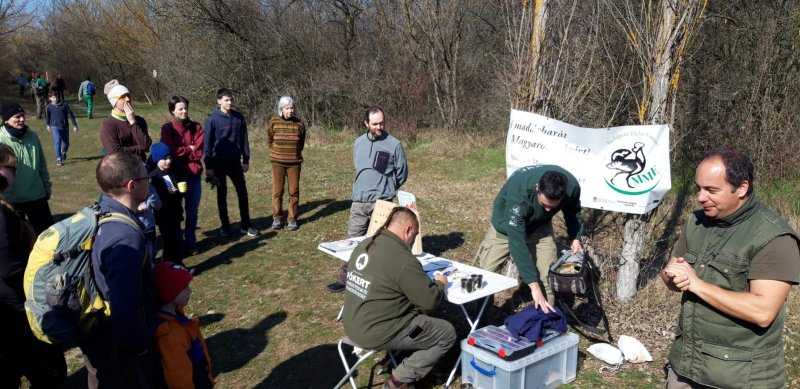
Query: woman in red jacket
pixel 185 138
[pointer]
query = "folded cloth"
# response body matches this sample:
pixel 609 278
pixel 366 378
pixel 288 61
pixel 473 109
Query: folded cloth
pixel 532 322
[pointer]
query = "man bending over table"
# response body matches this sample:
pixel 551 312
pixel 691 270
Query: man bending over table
pixel 386 294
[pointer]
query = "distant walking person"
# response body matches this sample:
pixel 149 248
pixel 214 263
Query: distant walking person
pixel 86 93
pixel 56 119
pixel 22 82
pixel 227 154
pixel 32 187
pixel 60 87
pixel 123 131
pixel 185 138
pixel 40 88
pixel 287 136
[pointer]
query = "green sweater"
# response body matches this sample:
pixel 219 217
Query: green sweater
pixel 33 179
pixel 517 213
pixel 385 290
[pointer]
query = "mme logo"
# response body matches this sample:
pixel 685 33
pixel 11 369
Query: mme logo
pixel 630 174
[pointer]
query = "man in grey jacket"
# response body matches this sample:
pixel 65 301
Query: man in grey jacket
pixel 381 168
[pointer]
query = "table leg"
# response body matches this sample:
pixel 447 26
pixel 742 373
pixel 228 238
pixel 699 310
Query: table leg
pixel 472 325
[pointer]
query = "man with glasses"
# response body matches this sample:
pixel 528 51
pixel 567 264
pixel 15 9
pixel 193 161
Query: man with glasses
pixel 31 191
pixel 381 168
pixel 387 291
pixel 116 350
pixel 123 131
pixel 521 226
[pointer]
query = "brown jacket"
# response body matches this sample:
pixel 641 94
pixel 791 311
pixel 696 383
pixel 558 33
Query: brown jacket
pixel 119 135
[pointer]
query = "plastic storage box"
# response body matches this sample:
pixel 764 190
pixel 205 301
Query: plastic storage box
pixel 549 366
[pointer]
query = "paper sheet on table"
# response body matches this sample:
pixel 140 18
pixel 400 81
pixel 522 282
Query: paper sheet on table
pixel 340 245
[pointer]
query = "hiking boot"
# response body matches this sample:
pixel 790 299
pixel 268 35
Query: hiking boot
pixel 393 383
pixel 292 226
pixel 224 232
pixel 250 231
pixel 276 225
pixel 336 287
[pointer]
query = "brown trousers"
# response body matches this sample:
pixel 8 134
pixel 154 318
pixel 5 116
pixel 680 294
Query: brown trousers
pixel 279 175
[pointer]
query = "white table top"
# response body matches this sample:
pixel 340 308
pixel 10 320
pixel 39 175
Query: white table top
pixel 492 282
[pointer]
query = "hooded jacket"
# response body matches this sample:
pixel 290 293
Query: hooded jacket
pixel 33 179
pixel 184 353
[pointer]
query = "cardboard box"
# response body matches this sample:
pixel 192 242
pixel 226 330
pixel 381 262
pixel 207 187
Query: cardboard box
pixel 551 365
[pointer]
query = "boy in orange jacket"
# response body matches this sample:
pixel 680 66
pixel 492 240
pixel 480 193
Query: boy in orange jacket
pixel 184 354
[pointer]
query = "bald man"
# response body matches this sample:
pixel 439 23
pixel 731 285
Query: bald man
pixel 386 293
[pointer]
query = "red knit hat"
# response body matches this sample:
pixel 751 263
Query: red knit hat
pixel 170 279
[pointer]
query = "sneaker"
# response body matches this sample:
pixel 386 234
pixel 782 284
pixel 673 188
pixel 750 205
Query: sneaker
pixel 336 287
pixel 276 225
pixel 58 162
pixel 250 231
pixel 224 232
pixel 292 226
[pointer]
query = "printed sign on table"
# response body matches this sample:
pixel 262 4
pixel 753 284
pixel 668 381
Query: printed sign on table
pixel 622 169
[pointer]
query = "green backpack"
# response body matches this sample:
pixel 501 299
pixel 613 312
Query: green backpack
pixel 62 299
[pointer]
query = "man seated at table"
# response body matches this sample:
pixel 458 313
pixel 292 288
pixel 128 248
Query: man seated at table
pixel 386 294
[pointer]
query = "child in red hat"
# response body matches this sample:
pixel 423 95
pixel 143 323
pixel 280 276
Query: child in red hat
pixel 184 354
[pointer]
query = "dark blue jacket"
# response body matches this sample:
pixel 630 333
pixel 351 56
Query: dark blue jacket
pixel 531 323
pixel 122 272
pixel 226 138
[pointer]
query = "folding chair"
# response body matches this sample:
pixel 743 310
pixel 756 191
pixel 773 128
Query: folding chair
pixel 352 369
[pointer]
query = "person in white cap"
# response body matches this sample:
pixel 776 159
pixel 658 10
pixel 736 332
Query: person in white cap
pixel 123 131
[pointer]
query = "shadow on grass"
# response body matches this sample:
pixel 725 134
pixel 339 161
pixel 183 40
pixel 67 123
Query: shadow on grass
pixel 317 367
pixel 232 349
pixel 237 250
pixel 439 244
pixel 329 207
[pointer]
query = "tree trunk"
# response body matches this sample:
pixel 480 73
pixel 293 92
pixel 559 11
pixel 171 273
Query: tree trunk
pixel 628 275
pixel 660 65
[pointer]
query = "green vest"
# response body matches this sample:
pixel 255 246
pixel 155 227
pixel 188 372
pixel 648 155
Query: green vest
pixel 712 348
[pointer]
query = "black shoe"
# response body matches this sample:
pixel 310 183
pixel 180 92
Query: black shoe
pixel 336 287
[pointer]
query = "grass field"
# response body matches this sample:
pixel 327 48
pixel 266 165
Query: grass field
pixel 261 301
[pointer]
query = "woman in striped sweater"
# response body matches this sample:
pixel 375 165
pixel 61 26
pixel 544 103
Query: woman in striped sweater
pixel 287 136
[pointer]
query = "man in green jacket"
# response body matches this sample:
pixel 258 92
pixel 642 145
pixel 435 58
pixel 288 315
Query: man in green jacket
pixel 735 263
pixel 31 189
pixel 386 294
pixel 521 225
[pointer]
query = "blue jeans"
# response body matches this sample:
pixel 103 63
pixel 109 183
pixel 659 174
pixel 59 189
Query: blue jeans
pixel 61 141
pixel 191 205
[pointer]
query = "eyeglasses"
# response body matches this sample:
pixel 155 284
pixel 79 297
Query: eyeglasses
pixel 135 179
pixel 12 169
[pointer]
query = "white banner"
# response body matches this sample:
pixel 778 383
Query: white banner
pixel 622 169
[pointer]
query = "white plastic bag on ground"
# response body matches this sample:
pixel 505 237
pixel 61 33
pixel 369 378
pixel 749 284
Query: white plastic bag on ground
pixel 633 350
pixel 606 353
